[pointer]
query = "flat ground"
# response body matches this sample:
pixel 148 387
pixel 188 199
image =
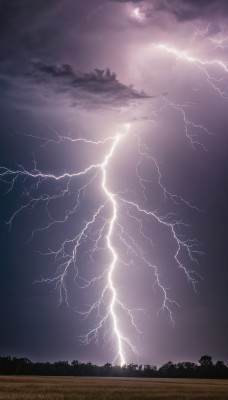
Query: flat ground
pixel 75 388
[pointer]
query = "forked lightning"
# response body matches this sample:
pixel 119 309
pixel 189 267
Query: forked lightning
pixel 105 228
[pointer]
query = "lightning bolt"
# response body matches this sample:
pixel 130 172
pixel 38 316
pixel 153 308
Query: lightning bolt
pixel 108 308
pixel 203 65
pixel 106 231
pixel 208 68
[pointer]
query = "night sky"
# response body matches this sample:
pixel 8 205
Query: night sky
pixel 75 72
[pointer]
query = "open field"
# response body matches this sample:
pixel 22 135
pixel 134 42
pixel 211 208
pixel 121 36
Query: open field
pixel 77 388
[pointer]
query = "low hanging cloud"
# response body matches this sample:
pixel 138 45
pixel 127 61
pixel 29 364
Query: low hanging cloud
pixel 99 88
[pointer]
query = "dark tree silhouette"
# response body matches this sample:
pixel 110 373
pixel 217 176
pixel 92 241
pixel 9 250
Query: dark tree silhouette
pixel 205 369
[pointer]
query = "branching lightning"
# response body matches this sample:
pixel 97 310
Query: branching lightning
pixel 109 303
pixel 208 68
pixel 105 231
pixel 203 65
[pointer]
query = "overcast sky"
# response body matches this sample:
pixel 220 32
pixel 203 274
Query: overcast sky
pixel 83 70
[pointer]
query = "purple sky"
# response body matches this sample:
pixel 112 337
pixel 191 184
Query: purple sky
pixel 166 77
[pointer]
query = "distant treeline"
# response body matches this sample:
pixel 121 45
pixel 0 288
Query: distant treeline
pixel 205 368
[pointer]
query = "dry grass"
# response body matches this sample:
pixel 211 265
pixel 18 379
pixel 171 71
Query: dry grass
pixel 74 388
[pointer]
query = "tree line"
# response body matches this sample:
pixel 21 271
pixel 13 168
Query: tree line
pixel 205 368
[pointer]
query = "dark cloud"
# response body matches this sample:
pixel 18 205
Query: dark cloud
pixel 96 88
pixel 43 29
pixel 185 10
pixel 19 20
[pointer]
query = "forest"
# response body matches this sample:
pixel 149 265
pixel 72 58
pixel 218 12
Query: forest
pixel 205 368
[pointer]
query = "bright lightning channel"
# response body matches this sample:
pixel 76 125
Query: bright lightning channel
pixel 203 65
pixel 112 199
pixel 109 306
pixel 183 55
pixel 110 227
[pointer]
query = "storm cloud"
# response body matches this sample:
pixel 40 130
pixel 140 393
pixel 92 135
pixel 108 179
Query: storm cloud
pixel 187 10
pixel 96 88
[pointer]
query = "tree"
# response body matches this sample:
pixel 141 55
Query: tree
pixel 221 370
pixel 206 368
pixel 168 369
pixel 206 361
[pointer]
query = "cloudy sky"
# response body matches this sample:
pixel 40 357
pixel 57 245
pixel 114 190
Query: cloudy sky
pixel 75 73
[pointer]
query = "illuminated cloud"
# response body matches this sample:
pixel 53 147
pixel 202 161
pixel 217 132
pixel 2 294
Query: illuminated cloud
pixel 138 15
pixel 183 10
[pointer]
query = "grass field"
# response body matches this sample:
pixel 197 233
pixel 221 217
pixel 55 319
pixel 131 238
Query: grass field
pixel 74 388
